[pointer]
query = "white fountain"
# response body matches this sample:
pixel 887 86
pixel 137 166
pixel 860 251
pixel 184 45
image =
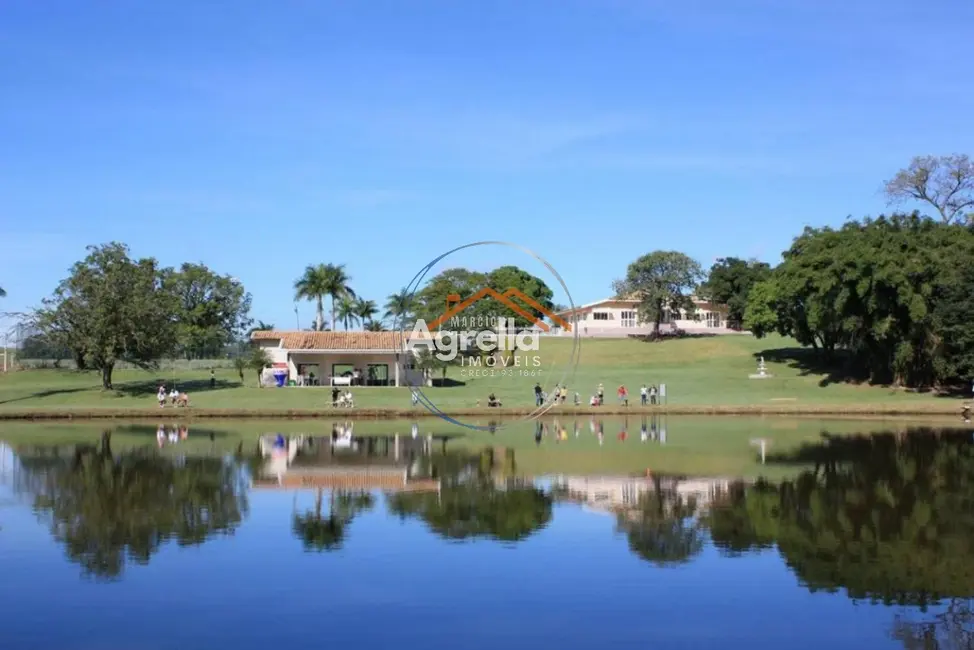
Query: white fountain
pixel 762 372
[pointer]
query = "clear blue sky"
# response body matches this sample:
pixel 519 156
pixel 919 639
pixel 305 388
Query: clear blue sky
pixel 259 137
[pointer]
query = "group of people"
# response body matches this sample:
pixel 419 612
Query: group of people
pixel 175 397
pixel 647 395
pixel 341 398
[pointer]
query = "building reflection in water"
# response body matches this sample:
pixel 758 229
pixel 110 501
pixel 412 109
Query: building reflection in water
pixel 342 460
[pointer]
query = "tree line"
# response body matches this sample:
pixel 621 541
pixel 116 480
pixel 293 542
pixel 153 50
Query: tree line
pixel 887 300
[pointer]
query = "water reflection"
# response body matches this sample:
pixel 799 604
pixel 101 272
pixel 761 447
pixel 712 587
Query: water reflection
pixel 885 517
pixel 478 497
pixel 107 509
pixel 320 532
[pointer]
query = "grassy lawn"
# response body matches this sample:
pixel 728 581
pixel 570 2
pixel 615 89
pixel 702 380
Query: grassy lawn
pixel 695 446
pixel 696 371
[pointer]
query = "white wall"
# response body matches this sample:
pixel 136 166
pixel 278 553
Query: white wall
pixel 615 319
pixel 274 350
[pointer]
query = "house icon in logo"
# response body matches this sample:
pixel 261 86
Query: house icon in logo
pixel 455 304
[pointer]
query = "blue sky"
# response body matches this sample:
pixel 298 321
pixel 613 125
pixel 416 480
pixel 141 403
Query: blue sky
pixel 258 137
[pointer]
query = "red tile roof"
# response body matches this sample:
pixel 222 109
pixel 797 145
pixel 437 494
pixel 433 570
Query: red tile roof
pixel 333 340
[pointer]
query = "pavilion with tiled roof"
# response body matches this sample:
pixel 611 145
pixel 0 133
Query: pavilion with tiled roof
pixel 336 358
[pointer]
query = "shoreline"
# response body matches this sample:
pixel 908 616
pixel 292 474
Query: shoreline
pixel 949 408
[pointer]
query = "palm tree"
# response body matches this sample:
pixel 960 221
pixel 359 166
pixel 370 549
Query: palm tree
pixel 366 310
pixel 375 326
pixel 314 285
pixel 260 326
pixel 336 286
pixel 398 305
pixel 347 311
pixel 3 294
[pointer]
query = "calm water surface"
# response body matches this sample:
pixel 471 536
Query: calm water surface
pixel 391 540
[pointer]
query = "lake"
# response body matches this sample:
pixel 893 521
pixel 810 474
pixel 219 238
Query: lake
pixel 578 533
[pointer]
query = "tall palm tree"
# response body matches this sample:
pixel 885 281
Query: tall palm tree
pixel 347 311
pixel 337 286
pixel 366 311
pixel 398 305
pixel 314 285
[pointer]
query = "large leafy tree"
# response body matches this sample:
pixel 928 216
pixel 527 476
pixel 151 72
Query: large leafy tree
pixel 213 310
pixel 870 289
pixel 431 301
pixel 112 308
pixel 661 280
pixel 511 277
pixel 110 509
pixel 953 319
pixel 730 282
pixel 946 183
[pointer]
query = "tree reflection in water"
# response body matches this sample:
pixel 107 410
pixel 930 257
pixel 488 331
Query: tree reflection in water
pixel 319 532
pixel 108 508
pixel 889 518
pixel 663 528
pixel 478 498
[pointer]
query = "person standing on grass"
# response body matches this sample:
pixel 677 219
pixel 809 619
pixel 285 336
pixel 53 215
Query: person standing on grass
pixel 174 395
pixel 538 395
pixel 623 395
pixel 212 378
pixel 161 396
pixel 643 394
pixel 601 394
pixel 652 395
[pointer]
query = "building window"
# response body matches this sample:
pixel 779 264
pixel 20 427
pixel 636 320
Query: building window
pixel 600 315
pixel 713 319
pixel 628 319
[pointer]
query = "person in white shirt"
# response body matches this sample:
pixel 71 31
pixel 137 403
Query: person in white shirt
pixel 161 396
pixel 174 395
pixel 643 394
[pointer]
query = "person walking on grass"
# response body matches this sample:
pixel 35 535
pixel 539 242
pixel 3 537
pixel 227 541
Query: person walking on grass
pixel 161 396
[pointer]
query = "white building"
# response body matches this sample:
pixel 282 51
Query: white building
pixel 340 358
pixel 619 317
